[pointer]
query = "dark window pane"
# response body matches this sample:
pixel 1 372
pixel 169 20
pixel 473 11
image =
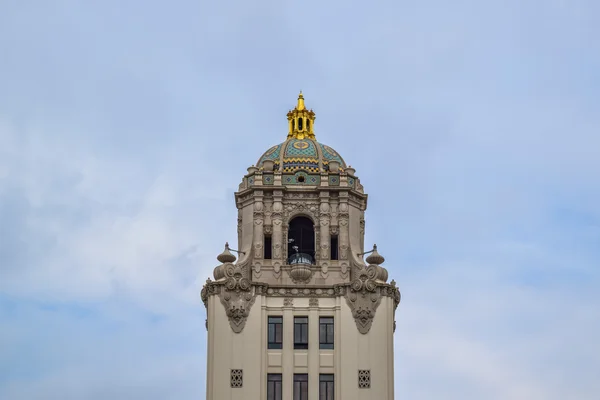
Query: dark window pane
pixel 271 333
pixel 301 332
pixel 326 387
pixel 334 248
pixel 274 330
pixel 326 332
pixel 267 247
pixel 274 386
pixel 300 386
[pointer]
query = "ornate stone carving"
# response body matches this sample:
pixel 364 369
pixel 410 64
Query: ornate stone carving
pixel 334 230
pixel 324 269
pixel 363 298
pixel 344 270
pixel 300 207
pixel 276 269
pixel 288 302
pixel 257 268
pixel 313 302
pixel 300 273
pixel 301 196
pixel 328 291
pixel 325 251
pixel 277 252
pixel 237 297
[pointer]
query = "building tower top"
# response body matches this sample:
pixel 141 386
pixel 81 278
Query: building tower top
pixel 301 121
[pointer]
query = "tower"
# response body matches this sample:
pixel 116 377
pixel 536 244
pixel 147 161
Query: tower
pixel 301 314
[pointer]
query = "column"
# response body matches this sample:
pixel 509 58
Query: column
pixel 313 349
pixel 258 226
pixel 343 217
pixel 325 242
pixel 287 353
pixel 277 221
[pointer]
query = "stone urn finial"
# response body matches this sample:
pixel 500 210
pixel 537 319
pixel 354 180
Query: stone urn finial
pixel 226 256
pixel 375 257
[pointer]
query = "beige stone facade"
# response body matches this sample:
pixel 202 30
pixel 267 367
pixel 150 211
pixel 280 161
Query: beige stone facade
pixel 301 314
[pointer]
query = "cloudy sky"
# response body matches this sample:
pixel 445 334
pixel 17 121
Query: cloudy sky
pixel 126 126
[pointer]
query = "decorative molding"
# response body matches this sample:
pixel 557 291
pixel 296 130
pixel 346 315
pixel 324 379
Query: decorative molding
pixel 288 302
pixel 237 297
pixel 364 378
pixel 237 378
pixel 313 302
pixel 328 291
pixel 363 297
pixel 300 273
pixel 293 208
pixel 301 195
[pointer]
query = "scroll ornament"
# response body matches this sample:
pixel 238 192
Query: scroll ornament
pixel 363 297
pixel 237 297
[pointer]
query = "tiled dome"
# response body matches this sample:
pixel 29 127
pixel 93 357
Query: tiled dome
pixel 301 154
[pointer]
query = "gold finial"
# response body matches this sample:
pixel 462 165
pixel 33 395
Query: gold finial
pixel 301 121
pixel 300 101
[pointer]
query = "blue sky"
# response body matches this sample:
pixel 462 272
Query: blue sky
pixel 126 126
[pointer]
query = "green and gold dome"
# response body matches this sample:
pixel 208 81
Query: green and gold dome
pixel 301 151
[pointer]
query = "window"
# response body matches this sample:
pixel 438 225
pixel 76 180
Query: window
pixel 300 386
pixel 300 332
pixel 274 387
pixel 293 125
pixel 334 247
pixel 301 240
pixel 326 387
pixel 268 247
pixel 308 125
pixel 299 124
pixel 275 332
pixel 326 332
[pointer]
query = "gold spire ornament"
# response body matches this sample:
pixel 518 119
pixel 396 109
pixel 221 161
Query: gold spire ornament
pixel 301 121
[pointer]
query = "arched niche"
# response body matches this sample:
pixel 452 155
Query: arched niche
pixel 301 240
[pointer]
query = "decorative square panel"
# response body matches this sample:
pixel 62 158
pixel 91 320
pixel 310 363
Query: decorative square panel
pixel 237 378
pixel 364 378
pixel 334 180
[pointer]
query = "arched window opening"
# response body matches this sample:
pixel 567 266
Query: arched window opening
pixel 299 124
pixel 308 125
pixel 293 125
pixel 301 241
